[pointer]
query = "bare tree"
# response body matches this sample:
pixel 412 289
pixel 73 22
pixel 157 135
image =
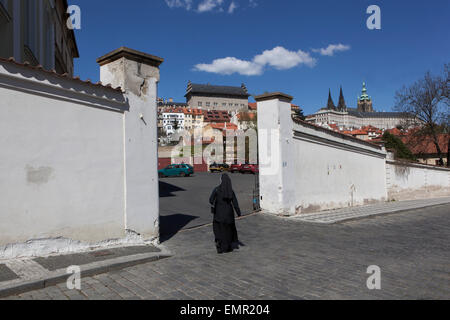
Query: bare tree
pixel 427 102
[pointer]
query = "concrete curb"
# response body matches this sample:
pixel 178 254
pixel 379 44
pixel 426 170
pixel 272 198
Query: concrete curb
pixel 374 215
pixel 334 218
pixel 87 270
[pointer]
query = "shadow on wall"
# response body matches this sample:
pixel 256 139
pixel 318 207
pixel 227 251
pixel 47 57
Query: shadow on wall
pixel 171 225
pixel 167 189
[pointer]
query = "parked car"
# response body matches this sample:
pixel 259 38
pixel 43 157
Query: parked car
pixel 218 167
pixel 235 168
pixel 176 170
pixel 250 168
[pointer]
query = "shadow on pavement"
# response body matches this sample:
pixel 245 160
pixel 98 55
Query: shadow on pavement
pixel 171 225
pixel 167 189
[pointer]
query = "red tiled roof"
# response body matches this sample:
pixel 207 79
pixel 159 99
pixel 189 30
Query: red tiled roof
pixel 216 116
pixel 224 126
pixel 341 134
pixel 195 112
pixel 40 68
pixel 424 144
pixel 246 116
pixel 359 132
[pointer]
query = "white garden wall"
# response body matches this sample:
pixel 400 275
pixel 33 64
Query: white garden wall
pixel 78 161
pixel 407 180
pixel 335 171
pixel 305 168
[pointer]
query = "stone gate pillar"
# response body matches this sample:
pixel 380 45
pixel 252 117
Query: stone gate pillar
pixel 275 152
pixel 137 73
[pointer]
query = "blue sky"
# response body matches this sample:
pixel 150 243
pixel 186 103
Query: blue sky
pixel 273 45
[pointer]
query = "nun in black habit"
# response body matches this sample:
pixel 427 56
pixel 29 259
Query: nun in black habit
pixel 223 200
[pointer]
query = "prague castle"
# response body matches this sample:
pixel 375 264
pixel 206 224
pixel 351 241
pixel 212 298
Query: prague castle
pixel 352 118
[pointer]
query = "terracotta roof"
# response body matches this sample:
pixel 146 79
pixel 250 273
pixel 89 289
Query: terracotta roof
pixel 341 134
pixel 195 112
pixel 173 110
pixel 359 132
pixel 224 126
pixel 424 144
pixel 40 68
pixel 246 116
pixel 216 116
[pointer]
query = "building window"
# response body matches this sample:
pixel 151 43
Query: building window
pixel 32 27
pixel 208 104
pixel 200 104
pixel 4 10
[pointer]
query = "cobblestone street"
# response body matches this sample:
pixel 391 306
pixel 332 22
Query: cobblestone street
pixel 289 259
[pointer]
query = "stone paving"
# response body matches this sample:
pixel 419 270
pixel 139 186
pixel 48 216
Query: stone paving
pixel 290 259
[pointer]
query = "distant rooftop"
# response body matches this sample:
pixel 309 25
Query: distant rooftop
pixel 359 114
pixel 209 89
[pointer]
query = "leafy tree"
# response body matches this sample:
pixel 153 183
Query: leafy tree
pixel 427 101
pixel 400 149
pixel 299 114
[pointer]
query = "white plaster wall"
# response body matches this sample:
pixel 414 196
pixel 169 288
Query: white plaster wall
pixel 332 172
pixel 61 170
pixel 275 157
pixel 305 169
pixel 139 81
pixel 403 177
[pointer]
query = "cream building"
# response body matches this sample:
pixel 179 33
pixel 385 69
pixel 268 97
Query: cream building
pixel 36 31
pixel 352 118
pixel 212 97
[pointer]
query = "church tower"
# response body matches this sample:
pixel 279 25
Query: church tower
pixel 330 104
pixel 342 106
pixel 364 101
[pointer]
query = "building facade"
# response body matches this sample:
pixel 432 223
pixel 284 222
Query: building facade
pixel 212 97
pixel 35 31
pixel 173 120
pixel 352 118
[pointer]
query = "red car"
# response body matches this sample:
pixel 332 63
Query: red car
pixel 235 168
pixel 250 168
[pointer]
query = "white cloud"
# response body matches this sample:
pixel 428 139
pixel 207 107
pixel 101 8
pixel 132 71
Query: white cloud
pixel 331 49
pixel 253 3
pixel 231 65
pixel 278 58
pixel 202 6
pixel 233 6
pixel 179 4
pixel 282 59
pixel 209 5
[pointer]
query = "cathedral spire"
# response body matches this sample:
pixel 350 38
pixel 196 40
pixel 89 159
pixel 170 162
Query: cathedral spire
pixel 330 104
pixel 342 106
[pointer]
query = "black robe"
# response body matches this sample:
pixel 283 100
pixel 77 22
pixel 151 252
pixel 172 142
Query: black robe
pixel 224 225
